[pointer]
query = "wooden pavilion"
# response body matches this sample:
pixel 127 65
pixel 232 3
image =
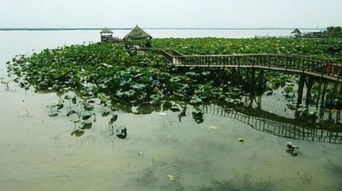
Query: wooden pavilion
pixel 106 35
pixel 138 38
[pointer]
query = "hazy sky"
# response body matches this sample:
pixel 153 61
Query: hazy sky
pixel 170 13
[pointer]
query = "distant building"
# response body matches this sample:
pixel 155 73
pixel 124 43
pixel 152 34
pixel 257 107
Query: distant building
pixel 297 33
pixel 106 35
pixel 138 37
pixel 328 33
pixel 135 38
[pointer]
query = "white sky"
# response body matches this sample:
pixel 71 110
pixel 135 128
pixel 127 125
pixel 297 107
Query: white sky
pixel 170 13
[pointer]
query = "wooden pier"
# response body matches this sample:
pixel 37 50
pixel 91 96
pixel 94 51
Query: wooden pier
pixel 277 62
pixel 309 68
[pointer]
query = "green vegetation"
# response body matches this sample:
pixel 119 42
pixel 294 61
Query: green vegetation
pixel 109 76
pixel 331 32
pixel 140 78
pixel 110 69
pixel 334 31
pixel 320 48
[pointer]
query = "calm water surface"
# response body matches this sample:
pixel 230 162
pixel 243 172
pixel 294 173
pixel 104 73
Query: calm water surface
pixel 160 153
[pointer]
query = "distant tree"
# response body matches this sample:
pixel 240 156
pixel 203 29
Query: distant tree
pixel 334 31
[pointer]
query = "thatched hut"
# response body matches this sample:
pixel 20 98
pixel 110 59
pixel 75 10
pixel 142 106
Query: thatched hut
pixel 138 37
pixel 106 35
pixel 297 33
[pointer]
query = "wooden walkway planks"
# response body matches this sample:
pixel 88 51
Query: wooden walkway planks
pixel 285 63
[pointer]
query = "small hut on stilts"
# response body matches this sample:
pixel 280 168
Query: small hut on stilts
pixel 106 35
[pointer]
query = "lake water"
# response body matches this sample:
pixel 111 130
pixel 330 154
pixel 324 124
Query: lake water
pixel 160 152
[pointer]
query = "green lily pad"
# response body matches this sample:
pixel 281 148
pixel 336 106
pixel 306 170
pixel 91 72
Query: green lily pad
pixel 77 133
pixel 71 112
pixel 84 115
pixel 87 125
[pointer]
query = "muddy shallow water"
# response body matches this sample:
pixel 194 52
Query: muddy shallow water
pixel 37 152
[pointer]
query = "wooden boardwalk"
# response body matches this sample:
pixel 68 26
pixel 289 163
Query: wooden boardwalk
pixel 319 68
pixel 286 63
pixel 279 126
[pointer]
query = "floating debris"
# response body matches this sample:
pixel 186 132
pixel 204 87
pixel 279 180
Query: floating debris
pixel 241 140
pixel 292 148
pixel 162 113
pixel 213 127
pixel 171 177
pixel 140 153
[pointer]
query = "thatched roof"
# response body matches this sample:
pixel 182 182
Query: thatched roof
pixel 296 31
pixel 137 33
pixel 106 31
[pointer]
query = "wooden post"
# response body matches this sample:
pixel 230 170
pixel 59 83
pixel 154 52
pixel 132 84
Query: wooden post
pixel 261 80
pixel 258 102
pixel 340 94
pixel 319 92
pixel 253 81
pixel 334 96
pixel 300 89
pixel 324 91
pixel 309 85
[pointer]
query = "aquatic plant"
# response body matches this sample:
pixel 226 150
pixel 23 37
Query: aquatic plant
pixel 113 78
pixel 320 48
pixel 106 69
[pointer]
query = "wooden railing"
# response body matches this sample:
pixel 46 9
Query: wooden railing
pixel 168 56
pixel 290 63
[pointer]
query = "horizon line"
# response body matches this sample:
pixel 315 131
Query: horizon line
pixel 154 28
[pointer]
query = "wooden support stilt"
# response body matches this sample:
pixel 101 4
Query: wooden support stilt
pixel 253 81
pixel 261 81
pixel 319 92
pixel 300 89
pixel 309 85
pixel 258 102
pixel 334 92
pixel 324 92
pixel 237 76
pixel 340 93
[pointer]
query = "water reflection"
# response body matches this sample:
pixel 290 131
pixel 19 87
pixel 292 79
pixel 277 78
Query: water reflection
pixel 279 126
pixel 306 122
pixel 304 125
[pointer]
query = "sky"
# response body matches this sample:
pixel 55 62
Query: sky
pixel 170 13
